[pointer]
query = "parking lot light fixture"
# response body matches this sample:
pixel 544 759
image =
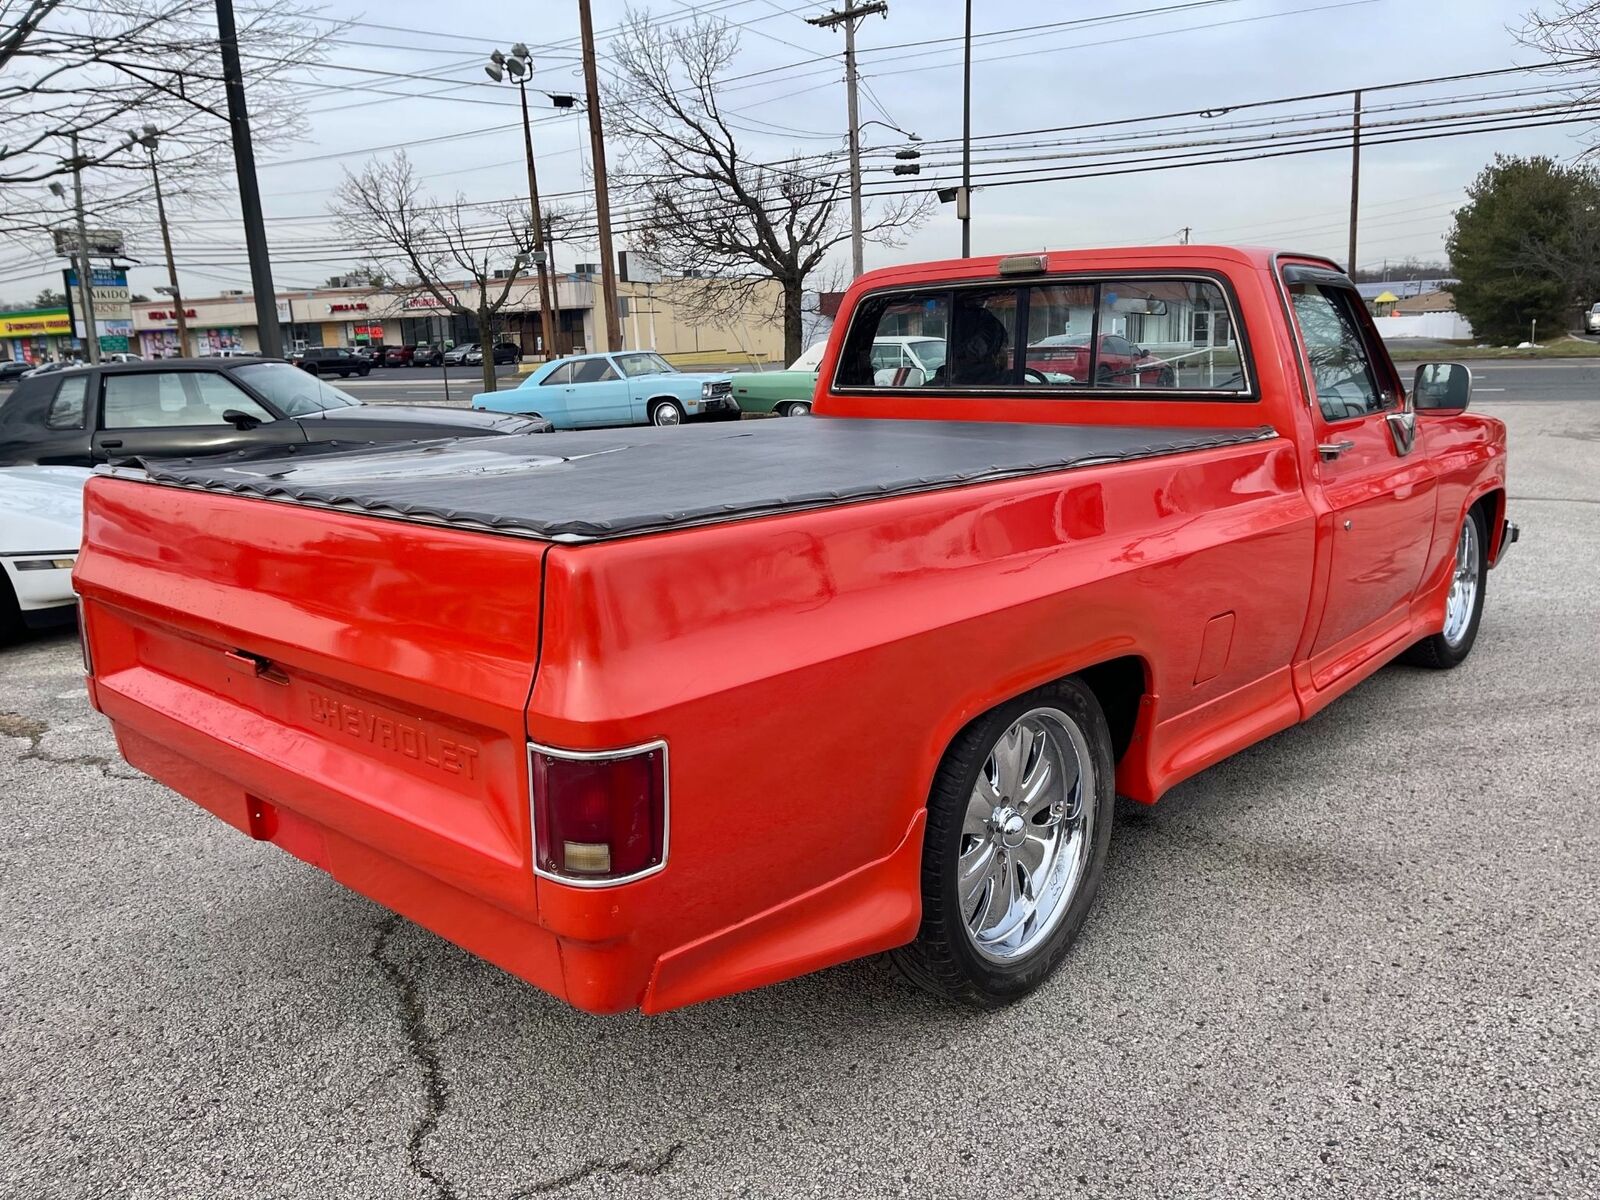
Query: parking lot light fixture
pixel 518 65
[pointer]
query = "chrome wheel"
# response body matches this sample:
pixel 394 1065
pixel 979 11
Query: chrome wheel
pixel 1027 836
pixel 798 408
pixel 666 413
pixel 1463 587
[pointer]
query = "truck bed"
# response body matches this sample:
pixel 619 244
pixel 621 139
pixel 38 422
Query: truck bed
pixel 592 486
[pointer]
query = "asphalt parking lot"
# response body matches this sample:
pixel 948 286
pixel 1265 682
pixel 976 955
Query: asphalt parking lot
pixel 1361 959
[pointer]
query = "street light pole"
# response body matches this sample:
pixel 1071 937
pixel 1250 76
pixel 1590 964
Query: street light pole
pixel 91 331
pixel 519 64
pixel 244 165
pixel 602 196
pixel 148 139
pixel 964 210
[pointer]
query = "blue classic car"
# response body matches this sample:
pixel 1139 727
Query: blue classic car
pixel 631 387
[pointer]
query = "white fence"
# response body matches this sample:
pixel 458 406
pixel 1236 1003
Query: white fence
pixel 1447 326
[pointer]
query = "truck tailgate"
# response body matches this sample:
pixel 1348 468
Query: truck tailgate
pixel 349 688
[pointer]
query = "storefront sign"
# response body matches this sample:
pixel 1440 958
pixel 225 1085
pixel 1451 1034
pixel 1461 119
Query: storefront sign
pixel 358 306
pixel 424 302
pixel 49 323
pixel 156 314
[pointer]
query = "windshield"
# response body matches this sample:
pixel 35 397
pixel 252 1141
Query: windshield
pixel 644 364
pixel 930 352
pixel 292 390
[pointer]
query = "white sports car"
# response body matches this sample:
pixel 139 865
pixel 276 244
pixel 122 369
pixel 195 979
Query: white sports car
pixel 41 523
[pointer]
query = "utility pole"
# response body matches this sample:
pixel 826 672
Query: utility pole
pixel 149 141
pixel 244 165
pixel 602 198
pixel 91 331
pixel 848 16
pixel 1183 235
pixel 964 207
pixel 1355 174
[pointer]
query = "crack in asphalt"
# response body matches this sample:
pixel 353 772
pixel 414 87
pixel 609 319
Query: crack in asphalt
pixel 647 1168
pixel 32 730
pixel 423 1046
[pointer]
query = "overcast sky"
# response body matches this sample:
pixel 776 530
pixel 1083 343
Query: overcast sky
pixel 1226 53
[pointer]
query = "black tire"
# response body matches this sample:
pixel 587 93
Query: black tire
pixel 943 958
pixel 10 613
pixel 666 413
pixel 1103 376
pixel 310 368
pixel 1436 651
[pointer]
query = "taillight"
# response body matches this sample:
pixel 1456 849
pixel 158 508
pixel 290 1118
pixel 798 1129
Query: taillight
pixel 599 818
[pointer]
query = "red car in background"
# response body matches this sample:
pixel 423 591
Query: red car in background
pixel 1120 361
pixel 397 356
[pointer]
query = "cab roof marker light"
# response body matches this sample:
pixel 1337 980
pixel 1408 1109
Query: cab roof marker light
pixel 1024 264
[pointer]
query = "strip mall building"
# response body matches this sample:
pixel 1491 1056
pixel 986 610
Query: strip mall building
pixel 655 316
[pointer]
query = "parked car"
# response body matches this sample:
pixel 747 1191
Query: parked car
pixel 12 370
pixel 633 387
pixel 649 718
pixel 398 356
pixel 426 355
pixel 456 356
pixel 51 368
pixel 41 520
pixel 1591 320
pixel 331 360
pixel 788 393
pixel 1118 361
pixel 121 357
pixel 504 352
pixel 181 407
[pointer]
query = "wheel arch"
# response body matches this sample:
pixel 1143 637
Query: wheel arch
pixel 1121 683
pixel 1492 501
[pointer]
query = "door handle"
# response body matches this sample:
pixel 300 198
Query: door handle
pixel 1328 451
pixel 111 443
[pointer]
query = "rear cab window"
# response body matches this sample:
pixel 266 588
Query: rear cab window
pixel 1153 336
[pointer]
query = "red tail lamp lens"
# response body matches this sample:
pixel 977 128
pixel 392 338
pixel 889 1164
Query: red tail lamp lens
pixel 600 819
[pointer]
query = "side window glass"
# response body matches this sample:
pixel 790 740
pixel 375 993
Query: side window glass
pixel 562 374
pixel 1340 371
pixel 66 410
pixel 592 370
pixel 220 394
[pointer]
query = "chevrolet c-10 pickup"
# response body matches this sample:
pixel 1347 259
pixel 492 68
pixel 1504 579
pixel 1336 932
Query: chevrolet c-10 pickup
pixel 650 716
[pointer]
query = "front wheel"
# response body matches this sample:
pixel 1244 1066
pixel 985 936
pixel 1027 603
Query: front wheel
pixel 1463 609
pixel 796 408
pixel 666 412
pixel 1019 824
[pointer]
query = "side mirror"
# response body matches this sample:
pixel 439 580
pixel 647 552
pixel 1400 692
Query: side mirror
pixel 1141 352
pixel 1442 387
pixel 241 421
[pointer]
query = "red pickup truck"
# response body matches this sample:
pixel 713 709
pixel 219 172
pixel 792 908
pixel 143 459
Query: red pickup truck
pixel 649 716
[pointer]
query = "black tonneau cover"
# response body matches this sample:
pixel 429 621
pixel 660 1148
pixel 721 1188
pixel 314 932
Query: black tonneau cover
pixel 578 487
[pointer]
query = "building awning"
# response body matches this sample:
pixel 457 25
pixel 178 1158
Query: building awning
pixel 1386 298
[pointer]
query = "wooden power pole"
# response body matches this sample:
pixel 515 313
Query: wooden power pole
pixel 602 198
pixel 848 16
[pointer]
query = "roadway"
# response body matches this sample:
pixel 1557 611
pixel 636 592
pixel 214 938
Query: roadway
pixel 1359 959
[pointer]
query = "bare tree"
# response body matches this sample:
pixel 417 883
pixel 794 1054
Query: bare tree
pixel 465 264
pixel 1568 32
pixel 98 71
pixel 701 206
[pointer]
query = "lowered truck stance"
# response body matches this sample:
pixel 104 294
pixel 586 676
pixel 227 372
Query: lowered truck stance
pixel 651 716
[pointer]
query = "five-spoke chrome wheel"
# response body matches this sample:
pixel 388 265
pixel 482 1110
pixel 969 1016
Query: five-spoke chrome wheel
pixel 1027 836
pixel 1463 597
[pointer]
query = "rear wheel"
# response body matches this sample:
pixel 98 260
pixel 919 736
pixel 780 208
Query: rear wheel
pixel 795 408
pixel 1463 608
pixel 1019 823
pixel 666 412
